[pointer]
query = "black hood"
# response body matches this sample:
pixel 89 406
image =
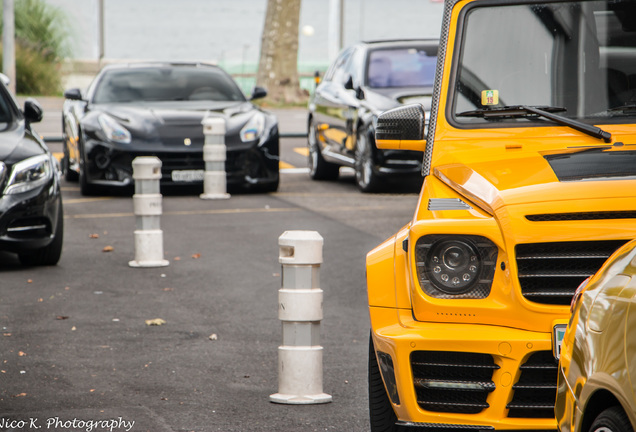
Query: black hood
pixel 143 119
pixel 17 143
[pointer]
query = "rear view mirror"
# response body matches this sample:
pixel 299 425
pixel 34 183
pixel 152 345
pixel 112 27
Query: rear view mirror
pixel 401 128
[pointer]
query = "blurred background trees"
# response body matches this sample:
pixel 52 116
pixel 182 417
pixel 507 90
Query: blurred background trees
pixel 41 43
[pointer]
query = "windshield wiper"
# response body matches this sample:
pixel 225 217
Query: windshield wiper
pixel 630 107
pixel 543 111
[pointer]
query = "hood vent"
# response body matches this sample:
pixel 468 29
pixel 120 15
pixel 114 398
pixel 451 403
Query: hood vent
pixel 583 216
pixel 593 164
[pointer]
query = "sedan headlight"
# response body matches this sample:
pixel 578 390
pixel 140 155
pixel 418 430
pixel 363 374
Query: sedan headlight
pixel 113 130
pixel 253 129
pixel 29 174
pixel 450 266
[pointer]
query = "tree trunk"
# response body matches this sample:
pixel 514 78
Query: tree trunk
pixel 278 64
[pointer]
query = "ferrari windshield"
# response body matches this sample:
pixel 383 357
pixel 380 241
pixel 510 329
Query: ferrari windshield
pixel 574 58
pixel 165 83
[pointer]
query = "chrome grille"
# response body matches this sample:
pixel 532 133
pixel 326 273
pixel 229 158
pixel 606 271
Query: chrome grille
pixel 535 391
pixel 550 273
pixel 452 382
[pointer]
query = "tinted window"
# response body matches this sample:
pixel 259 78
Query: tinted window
pixel 402 67
pixel 166 84
pixel 578 55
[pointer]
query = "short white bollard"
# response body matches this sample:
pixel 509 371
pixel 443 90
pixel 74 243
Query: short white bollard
pixel 147 204
pixel 300 310
pixel 214 155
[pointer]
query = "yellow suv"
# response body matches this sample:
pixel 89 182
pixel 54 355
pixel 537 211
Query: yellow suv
pixel 530 185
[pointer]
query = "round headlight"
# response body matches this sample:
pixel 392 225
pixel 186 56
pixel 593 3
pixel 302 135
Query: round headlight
pixel 453 266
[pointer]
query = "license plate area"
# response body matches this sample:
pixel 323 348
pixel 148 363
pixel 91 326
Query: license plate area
pixel 187 176
pixel 557 339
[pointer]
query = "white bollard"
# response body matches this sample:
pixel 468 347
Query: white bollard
pixel 214 155
pixel 147 204
pixel 300 310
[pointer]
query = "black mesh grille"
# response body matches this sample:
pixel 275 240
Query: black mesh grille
pixel 550 273
pixel 402 123
pixel 452 382
pixel 601 215
pixel 535 392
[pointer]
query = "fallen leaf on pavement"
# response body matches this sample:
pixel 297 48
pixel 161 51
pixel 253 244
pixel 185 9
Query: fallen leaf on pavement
pixel 213 336
pixel 108 249
pixel 22 353
pixel 61 317
pixel 93 236
pixel 196 255
pixel 155 322
pixel 20 395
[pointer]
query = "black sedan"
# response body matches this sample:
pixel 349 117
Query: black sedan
pixel 365 80
pixel 156 109
pixel 31 216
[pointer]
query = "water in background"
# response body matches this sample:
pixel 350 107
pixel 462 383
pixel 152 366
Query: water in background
pixel 228 32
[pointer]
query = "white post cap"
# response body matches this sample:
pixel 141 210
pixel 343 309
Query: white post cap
pixel 300 247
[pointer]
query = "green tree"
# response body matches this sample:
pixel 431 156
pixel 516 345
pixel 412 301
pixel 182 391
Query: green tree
pixel 41 42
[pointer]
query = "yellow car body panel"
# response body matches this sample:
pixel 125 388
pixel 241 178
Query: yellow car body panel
pixel 598 362
pixel 498 188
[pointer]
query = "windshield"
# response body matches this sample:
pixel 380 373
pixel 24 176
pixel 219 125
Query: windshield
pixel 401 67
pixel 579 56
pixel 166 84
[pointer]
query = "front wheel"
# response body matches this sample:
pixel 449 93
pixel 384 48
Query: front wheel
pixel 366 177
pixel 319 168
pixel 381 415
pixel 612 419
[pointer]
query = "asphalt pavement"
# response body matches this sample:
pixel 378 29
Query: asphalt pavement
pixel 76 349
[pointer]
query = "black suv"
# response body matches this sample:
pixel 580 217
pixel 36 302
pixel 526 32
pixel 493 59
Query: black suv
pixel 365 80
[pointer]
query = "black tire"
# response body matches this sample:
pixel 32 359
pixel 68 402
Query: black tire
pixel 48 255
pixel 86 188
pixel 612 419
pixel 367 179
pixel 381 415
pixel 319 168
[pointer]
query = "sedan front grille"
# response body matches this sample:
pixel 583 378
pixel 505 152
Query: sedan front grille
pixel 550 273
pixel 452 382
pixel 535 391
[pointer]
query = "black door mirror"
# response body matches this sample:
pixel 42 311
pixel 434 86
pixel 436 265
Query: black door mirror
pixel 73 94
pixel 33 111
pixel 258 93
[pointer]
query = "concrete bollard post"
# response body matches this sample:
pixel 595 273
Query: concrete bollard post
pixel 147 204
pixel 300 310
pixel 214 155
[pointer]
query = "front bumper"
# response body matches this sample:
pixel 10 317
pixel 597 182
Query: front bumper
pixel 514 373
pixel 248 165
pixel 28 220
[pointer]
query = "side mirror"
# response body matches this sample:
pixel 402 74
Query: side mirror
pixel 73 94
pixel 317 77
pixel 401 128
pixel 258 93
pixel 33 112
